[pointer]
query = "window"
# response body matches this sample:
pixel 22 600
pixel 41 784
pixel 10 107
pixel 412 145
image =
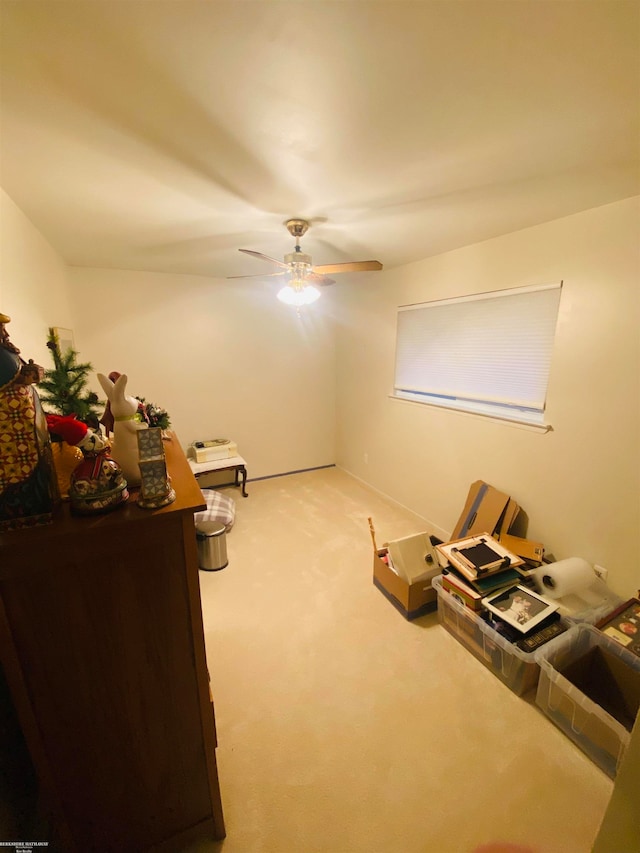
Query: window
pixel 489 354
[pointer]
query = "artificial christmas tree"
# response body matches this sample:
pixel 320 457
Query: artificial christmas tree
pixel 63 389
pixel 63 392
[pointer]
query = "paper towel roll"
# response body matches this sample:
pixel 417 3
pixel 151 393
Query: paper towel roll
pixel 566 577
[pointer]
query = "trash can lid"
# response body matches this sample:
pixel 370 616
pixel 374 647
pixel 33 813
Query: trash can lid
pixel 205 529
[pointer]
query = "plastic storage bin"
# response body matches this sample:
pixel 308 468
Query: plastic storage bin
pixel 583 608
pixel 517 669
pixel 582 717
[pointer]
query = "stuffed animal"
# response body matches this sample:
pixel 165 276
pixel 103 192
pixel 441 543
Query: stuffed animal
pixel 97 483
pixel 76 433
pixel 126 423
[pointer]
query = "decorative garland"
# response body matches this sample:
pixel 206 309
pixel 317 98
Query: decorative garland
pixel 154 416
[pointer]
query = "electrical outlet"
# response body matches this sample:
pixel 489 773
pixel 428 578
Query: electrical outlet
pixel 601 572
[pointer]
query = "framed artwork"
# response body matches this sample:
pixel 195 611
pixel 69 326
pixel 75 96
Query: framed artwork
pixel 519 607
pixel 623 625
pixel 64 338
pixel 477 556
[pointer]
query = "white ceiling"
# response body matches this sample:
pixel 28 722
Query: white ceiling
pixel 153 135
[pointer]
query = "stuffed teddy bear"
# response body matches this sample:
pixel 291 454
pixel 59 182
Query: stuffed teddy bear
pixel 97 484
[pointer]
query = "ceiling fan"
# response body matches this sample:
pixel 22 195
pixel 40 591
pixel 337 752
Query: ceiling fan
pixel 301 273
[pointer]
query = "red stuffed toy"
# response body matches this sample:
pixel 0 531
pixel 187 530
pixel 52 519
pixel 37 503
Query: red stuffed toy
pixel 75 433
pixel 97 483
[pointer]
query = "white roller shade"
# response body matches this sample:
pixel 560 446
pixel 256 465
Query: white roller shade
pixel 485 353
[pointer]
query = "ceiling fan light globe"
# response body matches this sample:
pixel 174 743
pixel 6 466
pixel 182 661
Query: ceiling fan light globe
pixel 298 296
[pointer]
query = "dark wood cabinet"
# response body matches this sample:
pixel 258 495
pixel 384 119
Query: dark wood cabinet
pixel 102 646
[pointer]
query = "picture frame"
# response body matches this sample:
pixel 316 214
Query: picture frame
pixel 623 625
pixel 519 607
pixel 478 556
pixel 64 338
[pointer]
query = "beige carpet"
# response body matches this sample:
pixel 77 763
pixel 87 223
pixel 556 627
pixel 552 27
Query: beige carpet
pixel 342 727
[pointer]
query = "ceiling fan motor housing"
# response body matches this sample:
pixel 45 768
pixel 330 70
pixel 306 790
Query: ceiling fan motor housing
pixel 297 227
pixel 298 258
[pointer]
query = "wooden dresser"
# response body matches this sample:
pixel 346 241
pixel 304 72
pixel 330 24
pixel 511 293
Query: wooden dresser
pixel 102 647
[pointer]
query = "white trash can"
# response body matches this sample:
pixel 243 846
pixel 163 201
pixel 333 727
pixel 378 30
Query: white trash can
pixel 212 546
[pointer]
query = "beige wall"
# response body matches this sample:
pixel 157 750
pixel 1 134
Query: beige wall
pixel 226 359
pixel 620 829
pixel 229 360
pixel 580 483
pixel 33 284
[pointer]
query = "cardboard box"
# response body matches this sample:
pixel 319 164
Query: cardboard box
pixel 590 688
pixel 412 595
pixel 525 548
pixel 485 510
pixel 411 599
pixel 509 516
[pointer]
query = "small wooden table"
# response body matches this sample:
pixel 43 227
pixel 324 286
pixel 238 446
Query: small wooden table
pixel 233 463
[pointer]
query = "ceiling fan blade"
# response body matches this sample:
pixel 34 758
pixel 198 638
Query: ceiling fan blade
pixel 322 280
pixel 264 257
pixel 260 275
pixel 352 266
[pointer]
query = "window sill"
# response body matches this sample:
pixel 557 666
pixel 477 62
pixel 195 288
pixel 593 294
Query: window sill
pixel 512 422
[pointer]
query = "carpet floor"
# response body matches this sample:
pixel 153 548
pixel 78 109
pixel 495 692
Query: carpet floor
pixel 344 728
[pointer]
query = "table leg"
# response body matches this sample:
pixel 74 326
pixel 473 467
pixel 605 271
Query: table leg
pixel 239 477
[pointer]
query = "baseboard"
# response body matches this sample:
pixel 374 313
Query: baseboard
pixel 287 473
pixel 433 528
